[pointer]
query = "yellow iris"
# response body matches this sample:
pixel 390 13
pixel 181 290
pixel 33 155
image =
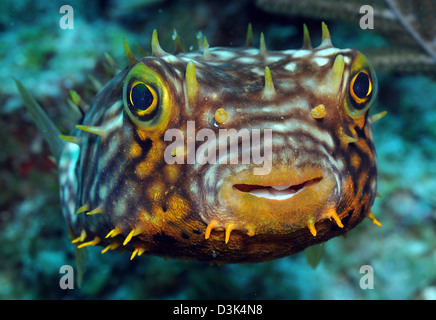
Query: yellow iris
pixel 355 97
pixel 150 104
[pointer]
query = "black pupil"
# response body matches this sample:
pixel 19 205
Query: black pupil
pixel 361 85
pixel 142 98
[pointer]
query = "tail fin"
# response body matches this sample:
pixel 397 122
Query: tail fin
pixel 42 121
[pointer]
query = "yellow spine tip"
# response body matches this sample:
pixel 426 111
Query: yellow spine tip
pixel 93 242
pixel 377 116
pixel 306 38
pixel 326 40
pixel 191 82
pixel 107 248
pixel 333 214
pixel 71 139
pixel 80 238
pixel 156 49
pixel 268 90
pixel 129 237
pixel 373 219
pixel 92 129
pixel 209 228
pixel 229 230
pixel 134 253
pixel 312 229
pixel 338 221
pixel 114 232
pixel 83 208
pixel 338 67
pixel 137 252
pixel 111 246
pixel 98 210
pixel 262 49
pixel 346 139
pixel 75 97
pixel 129 54
pixel 109 233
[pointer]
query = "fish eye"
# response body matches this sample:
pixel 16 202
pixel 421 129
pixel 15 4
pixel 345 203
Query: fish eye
pixel 361 89
pixel 146 99
pixel 143 100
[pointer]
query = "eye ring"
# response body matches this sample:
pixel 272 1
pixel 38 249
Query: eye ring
pixel 143 99
pixel 361 88
pixel 147 100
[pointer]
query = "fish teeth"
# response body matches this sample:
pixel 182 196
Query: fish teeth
pixel 281 187
pixel 270 193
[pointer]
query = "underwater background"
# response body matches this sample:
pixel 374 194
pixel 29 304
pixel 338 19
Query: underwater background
pixel 50 61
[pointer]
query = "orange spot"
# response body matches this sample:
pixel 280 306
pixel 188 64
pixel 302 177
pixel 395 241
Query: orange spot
pixel 135 150
pixel 221 115
pixel 172 173
pixel 355 160
pixel 318 112
pixel 250 231
pixel 156 191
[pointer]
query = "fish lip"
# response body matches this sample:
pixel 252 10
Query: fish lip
pixel 299 178
pixel 271 216
pixel 268 192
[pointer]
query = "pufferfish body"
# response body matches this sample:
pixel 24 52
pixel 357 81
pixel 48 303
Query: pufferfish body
pixel 224 155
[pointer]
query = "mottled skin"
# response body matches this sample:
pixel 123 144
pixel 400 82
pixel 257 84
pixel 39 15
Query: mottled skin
pixel 195 211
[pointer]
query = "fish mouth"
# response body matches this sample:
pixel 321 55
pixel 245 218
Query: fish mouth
pixel 287 199
pixel 276 192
